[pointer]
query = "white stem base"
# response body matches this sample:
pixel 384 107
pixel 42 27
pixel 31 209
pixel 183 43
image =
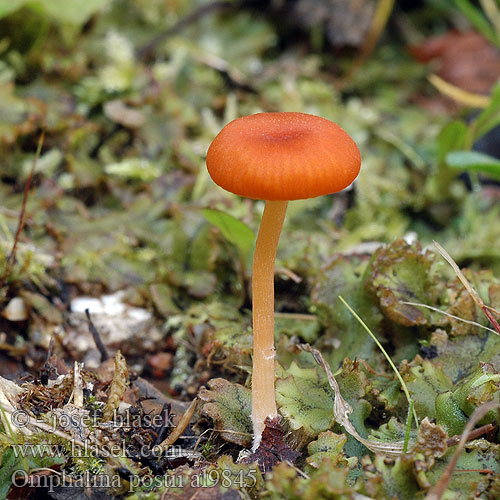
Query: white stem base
pixel 258 430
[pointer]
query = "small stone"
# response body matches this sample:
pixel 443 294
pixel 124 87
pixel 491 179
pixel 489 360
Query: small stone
pixel 16 310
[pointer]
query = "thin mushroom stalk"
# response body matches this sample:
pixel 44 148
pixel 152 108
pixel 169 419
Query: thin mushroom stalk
pixel 277 157
pixel 263 394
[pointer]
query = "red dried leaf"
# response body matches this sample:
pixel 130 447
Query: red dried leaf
pixel 273 448
pixel 467 60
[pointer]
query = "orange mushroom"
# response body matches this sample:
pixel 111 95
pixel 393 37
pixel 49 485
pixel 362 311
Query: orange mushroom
pixel 277 157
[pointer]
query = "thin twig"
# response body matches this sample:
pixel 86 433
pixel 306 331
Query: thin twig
pixel 440 487
pixel 458 318
pixel 181 426
pixel 458 94
pixel 289 274
pixel 454 440
pixel 475 296
pixel 9 212
pixel 22 214
pixel 50 350
pixel 492 10
pixel 384 352
pixel 342 409
pixel 97 337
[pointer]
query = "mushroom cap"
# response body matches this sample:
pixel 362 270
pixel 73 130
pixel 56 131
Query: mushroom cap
pixel 283 156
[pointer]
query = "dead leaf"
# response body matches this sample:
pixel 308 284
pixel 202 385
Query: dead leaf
pixel 467 60
pixel 118 386
pixel 342 409
pixel 229 405
pixel 272 448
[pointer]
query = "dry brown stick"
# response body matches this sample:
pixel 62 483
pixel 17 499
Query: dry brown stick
pixel 50 350
pixel 440 487
pixel 288 273
pixel 22 214
pixel 97 338
pixel 475 296
pixel 454 440
pixel 181 426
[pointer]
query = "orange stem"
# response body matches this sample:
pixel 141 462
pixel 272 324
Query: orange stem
pixel 263 396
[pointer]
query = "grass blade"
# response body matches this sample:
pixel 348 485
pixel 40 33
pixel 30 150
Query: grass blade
pixel 384 352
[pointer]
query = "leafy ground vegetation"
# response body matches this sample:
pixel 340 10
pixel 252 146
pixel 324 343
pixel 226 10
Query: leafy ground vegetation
pixel 147 396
